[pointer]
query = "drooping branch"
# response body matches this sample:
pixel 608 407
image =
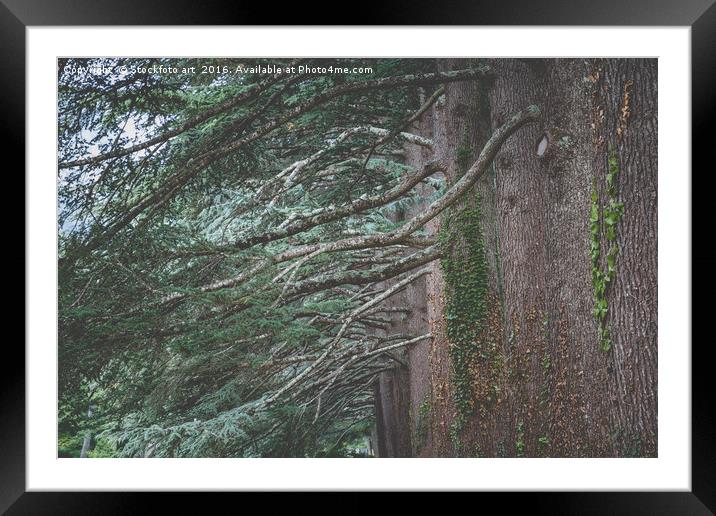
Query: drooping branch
pixel 386 137
pixel 250 93
pixel 467 181
pixel 352 317
pixel 318 283
pixel 194 166
pixel 325 215
pixel 294 170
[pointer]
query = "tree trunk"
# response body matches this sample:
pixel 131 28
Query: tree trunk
pixel 544 380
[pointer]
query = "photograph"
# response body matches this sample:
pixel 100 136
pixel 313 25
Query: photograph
pixel 357 257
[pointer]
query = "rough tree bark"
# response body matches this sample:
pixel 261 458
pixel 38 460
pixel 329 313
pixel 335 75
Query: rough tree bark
pixel 541 383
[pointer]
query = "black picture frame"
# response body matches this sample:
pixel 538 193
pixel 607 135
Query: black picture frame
pixel 700 15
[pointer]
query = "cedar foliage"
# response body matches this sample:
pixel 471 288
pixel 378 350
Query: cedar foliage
pixel 174 364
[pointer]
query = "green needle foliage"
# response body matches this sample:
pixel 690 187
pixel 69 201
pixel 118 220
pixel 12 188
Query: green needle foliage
pixel 168 186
